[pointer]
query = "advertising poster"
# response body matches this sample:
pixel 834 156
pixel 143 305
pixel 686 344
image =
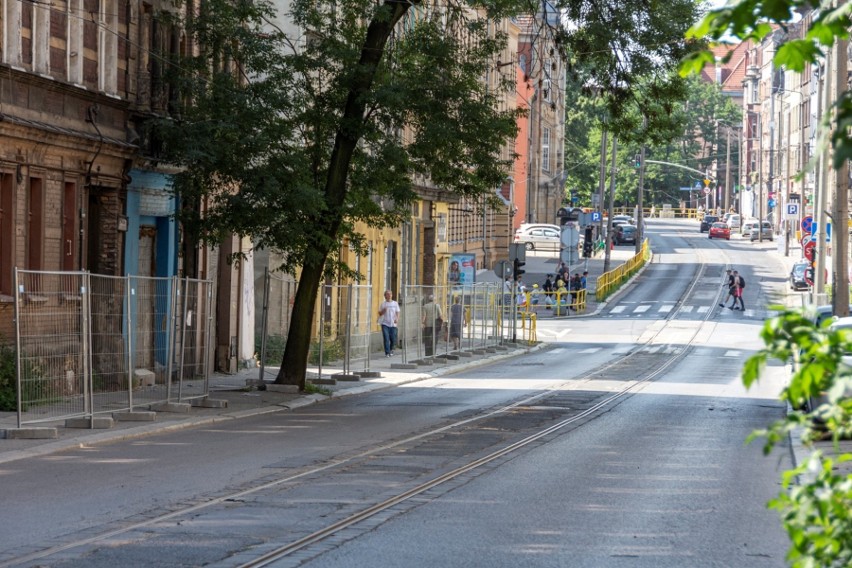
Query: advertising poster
pixel 462 269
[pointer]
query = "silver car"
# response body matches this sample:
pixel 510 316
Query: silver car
pixel 539 238
pixel 765 228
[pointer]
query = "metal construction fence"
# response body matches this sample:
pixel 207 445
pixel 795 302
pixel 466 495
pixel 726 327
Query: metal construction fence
pixel 436 321
pixel 90 344
pixel 341 331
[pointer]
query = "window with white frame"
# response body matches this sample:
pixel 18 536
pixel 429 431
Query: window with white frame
pixel 75 42
pixel 12 32
pixel 108 47
pixel 545 149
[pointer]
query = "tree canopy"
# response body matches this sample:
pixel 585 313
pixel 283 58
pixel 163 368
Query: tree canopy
pixel 292 134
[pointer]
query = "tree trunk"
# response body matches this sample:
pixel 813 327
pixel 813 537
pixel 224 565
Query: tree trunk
pixel 349 131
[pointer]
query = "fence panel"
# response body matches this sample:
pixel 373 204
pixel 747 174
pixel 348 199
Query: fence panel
pixel 51 341
pixel 151 339
pixel 471 316
pixel 195 313
pixel 111 371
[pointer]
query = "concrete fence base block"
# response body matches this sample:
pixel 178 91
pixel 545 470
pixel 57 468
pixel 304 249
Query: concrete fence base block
pixel 346 377
pixel 451 356
pixel 478 351
pixel 255 382
pixel 208 402
pixel 421 362
pixel 491 350
pixel 463 354
pixel 370 374
pixel 96 423
pixel 289 389
pixel 323 381
pixel 501 348
pixel 403 365
pixel 135 416
pixel 180 407
pixel 31 433
pixel 144 378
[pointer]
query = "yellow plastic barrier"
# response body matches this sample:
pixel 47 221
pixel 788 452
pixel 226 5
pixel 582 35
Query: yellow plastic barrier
pixel 609 282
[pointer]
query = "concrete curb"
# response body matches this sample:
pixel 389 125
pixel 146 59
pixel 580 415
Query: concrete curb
pixel 151 428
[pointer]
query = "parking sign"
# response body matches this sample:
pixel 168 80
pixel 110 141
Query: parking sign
pixel 792 211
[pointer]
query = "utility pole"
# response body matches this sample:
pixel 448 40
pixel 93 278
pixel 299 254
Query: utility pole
pixel 771 176
pixel 841 197
pixel 602 181
pixel 610 208
pixel 639 201
pixel 760 176
pixel 822 186
pixel 728 170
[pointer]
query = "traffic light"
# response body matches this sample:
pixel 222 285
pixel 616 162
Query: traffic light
pixel 516 268
pixel 587 243
pixel 637 159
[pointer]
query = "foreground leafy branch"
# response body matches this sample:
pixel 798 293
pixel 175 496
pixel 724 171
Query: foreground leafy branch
pixel 816 501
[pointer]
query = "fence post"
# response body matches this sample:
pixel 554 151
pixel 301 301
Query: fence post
pixel 86 335
pixel 18 346
pixel 170 342
pixel 347 361
pixel 183 310
pixel 263 323
pixel 321 330
pixel 128 287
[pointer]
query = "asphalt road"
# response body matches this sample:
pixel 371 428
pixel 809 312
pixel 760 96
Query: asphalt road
pixel 660 478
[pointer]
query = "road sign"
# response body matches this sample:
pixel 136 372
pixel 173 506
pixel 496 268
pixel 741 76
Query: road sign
pixel 806 224
pixel 503 269
pixel 792 211
pixel 815 228
pixel 809 249
pixel 596 216
pixel 706 191
pixel 570 235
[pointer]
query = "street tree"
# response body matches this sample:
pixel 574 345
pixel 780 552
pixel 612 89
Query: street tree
pixel 293 138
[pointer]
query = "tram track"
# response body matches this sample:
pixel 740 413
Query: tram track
pixel 488 437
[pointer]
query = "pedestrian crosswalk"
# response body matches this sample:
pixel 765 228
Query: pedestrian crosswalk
pixel 661 349
pixel 662 308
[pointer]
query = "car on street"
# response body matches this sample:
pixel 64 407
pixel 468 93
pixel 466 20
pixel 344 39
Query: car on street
pixel 719 230
pixel 619 220
pixel 707 221
pixel 797 276
pixel 845 366
pixel 626 234
pixel 539 237
pixel 765 229
pixel 747 225
pixel 733 221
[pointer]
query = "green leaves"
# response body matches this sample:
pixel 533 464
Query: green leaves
pixel 816 511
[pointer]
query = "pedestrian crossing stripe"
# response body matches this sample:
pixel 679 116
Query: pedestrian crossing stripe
pixel 666 308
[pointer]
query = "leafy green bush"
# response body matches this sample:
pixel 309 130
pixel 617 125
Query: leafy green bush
pixel 816 511
pixel 8 379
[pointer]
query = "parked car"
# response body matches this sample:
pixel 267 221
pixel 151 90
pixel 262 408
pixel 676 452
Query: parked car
pixel 845 366
pixel 765 228
pixel 538 237
pixel 719 230
pixel 707 221
pixel 734 221
pixel 797 276
pixel 626 234
pixel 747 225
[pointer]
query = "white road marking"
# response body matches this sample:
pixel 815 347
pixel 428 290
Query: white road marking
pixel 732 353
pixel 618 309
pixel 703 309
pixel 591 350
pixel 641 309
pixel 665 309
pixel 686 309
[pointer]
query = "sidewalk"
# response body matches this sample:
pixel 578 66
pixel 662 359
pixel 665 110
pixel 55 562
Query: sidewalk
pixel 233 397
pixel 239 401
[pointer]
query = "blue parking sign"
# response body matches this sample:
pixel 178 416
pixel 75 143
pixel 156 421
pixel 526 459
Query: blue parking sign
pixel 596 216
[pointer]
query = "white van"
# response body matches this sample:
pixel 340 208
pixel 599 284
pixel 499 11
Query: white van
pixel 734 221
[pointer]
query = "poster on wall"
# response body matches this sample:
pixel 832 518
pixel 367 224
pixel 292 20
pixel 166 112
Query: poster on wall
pixel 462 269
